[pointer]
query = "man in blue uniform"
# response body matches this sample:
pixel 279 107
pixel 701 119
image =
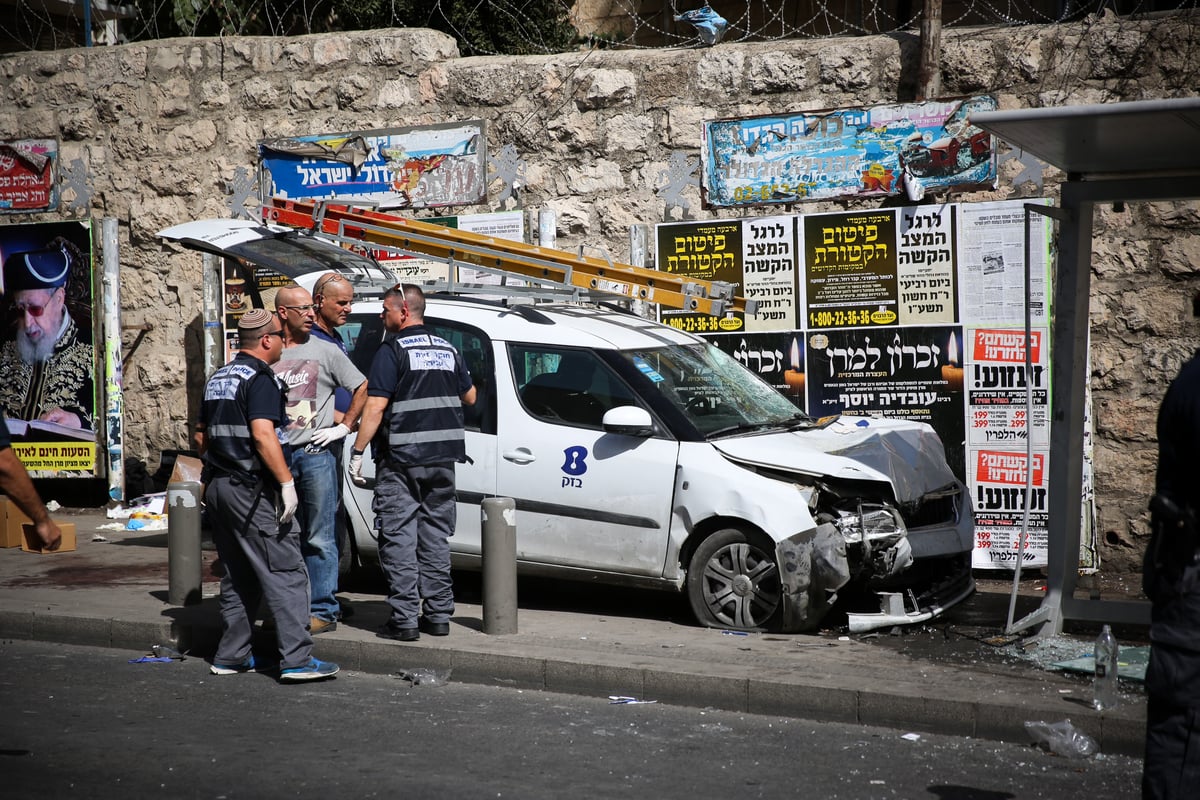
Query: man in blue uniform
pixel 251 499
pixel 1171 580
pixel 415 391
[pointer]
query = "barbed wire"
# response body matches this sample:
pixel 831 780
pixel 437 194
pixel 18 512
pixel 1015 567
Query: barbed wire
pixel 493 27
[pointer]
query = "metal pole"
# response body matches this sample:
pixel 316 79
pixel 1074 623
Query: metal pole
pixel 499 553
pixel 547 228
pixel 183 543
pixel 114 380
pixel 213 311
pixel 929 71
pixel 638 237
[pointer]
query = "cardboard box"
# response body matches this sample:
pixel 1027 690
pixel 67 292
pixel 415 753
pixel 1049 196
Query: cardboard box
pixel 11 520
pixel 30 542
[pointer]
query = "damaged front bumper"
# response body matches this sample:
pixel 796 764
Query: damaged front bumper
pixel 907 607
pixel 815 564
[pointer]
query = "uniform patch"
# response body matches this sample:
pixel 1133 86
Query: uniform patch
pixel 430 360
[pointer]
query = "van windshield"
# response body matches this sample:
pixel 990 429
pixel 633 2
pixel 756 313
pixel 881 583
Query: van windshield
pixel 714 390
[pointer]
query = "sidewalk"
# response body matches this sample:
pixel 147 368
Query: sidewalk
pixel 114 594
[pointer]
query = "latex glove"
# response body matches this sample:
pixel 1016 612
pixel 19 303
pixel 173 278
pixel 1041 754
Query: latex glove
pixel 327 436
pixel 356 470
pixel 289 501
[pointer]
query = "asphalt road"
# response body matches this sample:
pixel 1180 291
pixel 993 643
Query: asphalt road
pixel 84 722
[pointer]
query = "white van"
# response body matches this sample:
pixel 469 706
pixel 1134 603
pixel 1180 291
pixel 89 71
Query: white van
pixel 640 455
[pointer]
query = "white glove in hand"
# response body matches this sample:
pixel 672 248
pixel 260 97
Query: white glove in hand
pixel 327 436
pixel 356 470
pixel 289 501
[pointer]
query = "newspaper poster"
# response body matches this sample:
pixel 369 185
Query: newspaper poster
pixel 769 269
pixel 894 149
pixel 710 251
pixel 999 392
pixel 925 266
pixel 422 166
pixel 48 356
pixel 850 269
pixel 997 482
pixel 28 181
pixel 896 372
pixel 508 225
pixel 991 264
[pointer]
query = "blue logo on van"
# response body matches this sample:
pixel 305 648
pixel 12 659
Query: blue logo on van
pixel 576 463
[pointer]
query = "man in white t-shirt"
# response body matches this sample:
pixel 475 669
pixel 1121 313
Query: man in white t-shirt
pixel 312 369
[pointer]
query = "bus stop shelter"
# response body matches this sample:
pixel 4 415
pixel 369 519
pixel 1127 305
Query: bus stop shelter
pixel 1112 153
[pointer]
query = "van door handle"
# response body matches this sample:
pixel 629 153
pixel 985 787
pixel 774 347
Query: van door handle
pixel 520 456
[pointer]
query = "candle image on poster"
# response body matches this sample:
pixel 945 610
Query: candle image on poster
pixel 925 266
pixel 769 273
pixel 777 358
pixel 997 483
pixel 890 372
pixel 711 251
pixel 850 269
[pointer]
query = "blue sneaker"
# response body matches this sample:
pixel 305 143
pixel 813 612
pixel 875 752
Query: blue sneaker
pixel 233 669
pixel 314 670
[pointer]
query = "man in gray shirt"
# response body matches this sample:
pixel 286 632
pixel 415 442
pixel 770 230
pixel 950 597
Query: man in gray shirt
pixel 312 369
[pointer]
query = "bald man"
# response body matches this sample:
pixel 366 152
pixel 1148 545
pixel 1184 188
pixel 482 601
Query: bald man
pixel 312 369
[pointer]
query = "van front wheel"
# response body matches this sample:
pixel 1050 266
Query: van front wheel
pixel 733 582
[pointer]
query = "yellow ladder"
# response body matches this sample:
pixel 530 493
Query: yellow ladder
pixel 532 262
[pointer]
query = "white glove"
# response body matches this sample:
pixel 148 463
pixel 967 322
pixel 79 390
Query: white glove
pixel 356 469
pixel 327 436
pixel 289 501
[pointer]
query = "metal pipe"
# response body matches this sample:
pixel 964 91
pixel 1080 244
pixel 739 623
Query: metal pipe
pixel 499 554
pixel 213 311
pixel 114 380
pixel 183 543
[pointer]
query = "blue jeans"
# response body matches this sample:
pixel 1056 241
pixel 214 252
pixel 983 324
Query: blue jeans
pixel 316 477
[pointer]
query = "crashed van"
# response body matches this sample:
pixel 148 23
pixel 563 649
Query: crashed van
pixel 640 455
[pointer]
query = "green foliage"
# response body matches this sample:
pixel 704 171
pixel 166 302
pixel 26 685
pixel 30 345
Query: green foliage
pixel 481 27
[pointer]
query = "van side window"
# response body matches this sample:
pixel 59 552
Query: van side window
pixel 476 350
pixel 568 386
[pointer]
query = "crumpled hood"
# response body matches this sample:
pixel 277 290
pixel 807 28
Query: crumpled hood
pixel 909 454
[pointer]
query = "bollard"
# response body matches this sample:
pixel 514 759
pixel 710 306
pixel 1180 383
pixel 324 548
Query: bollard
pixel 499 554
pixel 183 543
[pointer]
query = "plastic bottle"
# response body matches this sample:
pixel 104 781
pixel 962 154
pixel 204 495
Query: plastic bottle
pixel 1104 683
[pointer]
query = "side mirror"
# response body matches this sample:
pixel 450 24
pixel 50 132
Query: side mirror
pixel 629 421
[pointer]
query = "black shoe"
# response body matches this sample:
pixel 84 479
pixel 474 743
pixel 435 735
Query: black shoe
pixel 433 628
pixel 390 631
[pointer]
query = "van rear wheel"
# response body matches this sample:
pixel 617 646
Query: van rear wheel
pixel 733 582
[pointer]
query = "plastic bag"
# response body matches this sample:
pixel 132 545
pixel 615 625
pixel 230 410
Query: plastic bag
pixel 1062 738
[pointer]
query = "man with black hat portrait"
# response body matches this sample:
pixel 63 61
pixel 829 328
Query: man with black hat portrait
pixel 48 363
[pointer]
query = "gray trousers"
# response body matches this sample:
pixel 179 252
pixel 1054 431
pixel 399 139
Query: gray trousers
pixel 261 560
pixel 415 512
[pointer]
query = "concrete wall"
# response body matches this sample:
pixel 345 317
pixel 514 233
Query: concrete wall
pixel 162 126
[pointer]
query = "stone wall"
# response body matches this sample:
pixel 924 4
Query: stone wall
pixel 162 126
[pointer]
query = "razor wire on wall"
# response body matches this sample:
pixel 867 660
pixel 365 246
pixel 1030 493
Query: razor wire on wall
pixel 493 27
